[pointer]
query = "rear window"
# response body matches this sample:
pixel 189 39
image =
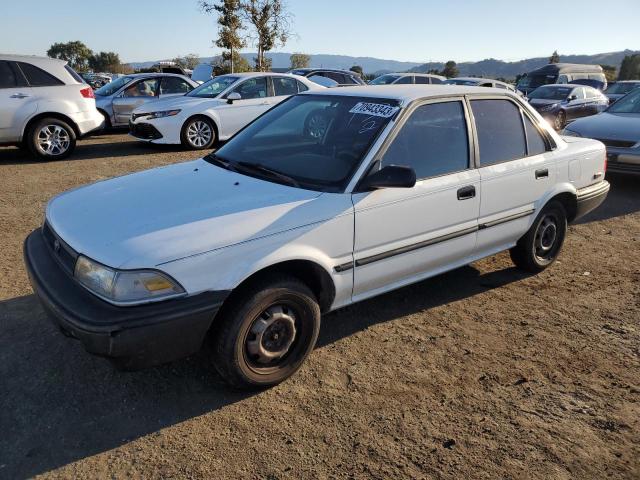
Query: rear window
pixel 38 77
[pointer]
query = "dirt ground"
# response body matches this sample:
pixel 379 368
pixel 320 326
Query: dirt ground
pixel 484 372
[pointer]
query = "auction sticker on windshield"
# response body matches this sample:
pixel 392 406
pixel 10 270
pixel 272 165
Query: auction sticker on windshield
pixel 375 109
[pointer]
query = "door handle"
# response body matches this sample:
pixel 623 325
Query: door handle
pixel 543 173
pixel 465 193
pixel 19 95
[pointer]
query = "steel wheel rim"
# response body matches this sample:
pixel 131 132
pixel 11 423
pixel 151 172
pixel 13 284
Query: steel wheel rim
pixel 271 336
pixel 199 133
pixel 53 140
pixel 317 126
pixel 546 237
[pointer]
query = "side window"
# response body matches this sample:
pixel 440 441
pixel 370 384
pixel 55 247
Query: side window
pixel 301 86
pixel 535 142
pixel 486 84
pixel 421 80
pixel 7 77
pixel 433 141
pixel 349 80
pixel 336 77
pixel 174 85
pixel 252 88
pixel 144 88
pixel 284 86
pixel 500 131
pixel 38 77
pixel 500 85
pixel 579 93
pixel 405 80
pixel 436 81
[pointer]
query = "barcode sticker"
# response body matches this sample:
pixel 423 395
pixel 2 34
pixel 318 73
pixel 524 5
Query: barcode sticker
pixel 374 109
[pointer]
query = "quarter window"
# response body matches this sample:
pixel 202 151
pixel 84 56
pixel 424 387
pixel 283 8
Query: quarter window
pixel 500 131
pixel 433 141
pixel 301 86
pixel 284 86
pixel 535 142
pixel 7 77
pixel 252 88
pixel 38 77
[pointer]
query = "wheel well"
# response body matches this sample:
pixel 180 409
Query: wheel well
pixel 199 115
pixel 59 116
pixel 308 272
pixel 569 202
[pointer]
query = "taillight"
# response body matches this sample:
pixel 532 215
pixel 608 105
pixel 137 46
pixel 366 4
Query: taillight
pixel 87 92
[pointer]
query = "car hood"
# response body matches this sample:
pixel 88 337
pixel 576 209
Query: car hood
pixel 539 102
pixel 181 102
pixel 159 215
pixel 610 126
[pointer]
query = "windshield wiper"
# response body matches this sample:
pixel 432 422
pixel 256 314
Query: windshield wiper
pixel 215 160
pixel 257 167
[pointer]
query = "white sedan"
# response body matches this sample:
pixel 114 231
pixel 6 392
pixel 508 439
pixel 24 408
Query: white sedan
pixel 215 110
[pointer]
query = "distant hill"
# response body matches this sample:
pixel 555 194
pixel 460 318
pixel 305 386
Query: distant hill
pixel 485 68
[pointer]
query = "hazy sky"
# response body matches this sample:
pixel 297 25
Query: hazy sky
pixel 412 30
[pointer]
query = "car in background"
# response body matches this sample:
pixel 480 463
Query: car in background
pixel 215 110
pixel 44 106
pixel 616 90
pixel 618 128
pixel 480 82
pixel 329 77
pixel 555 73
pixel 407 78
pixel 561 104
pixel 116 100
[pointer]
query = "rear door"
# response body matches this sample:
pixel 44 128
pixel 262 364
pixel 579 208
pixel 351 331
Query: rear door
pixel 133 96
pixel 17 102
pixel 254 101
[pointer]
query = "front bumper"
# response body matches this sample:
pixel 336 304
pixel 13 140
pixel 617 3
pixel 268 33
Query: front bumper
pixel 133 337
pixel 88 121
pixel 159 130
pixel 590 198
pixel 623 160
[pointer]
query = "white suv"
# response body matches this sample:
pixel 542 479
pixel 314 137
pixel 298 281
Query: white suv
pixel 44 105
pixel 329 198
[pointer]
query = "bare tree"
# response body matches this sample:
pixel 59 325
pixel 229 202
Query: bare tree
pixel 229 27
pixel 271 21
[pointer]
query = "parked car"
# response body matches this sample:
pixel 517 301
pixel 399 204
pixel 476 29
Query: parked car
pixel 619 129
pixel 561 104
pixel 329 77
pixel 44 106
pixel 118 99
pixel 252 243
pixel 215 110
pixel 555 73
pixel 480 82
pixel 407 78
pixel 616 90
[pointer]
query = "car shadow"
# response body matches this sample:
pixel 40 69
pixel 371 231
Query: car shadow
pixel 59 404
pixel 623 199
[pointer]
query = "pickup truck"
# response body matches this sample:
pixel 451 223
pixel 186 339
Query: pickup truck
pixel 329 198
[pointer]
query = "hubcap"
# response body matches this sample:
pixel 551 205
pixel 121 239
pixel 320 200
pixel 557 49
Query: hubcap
pixel 546 236
pixel 317 126
pixel 53 140
pixel 272 334
pixel 199 133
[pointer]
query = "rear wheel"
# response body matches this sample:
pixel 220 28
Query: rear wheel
pixel 541 245
pixel 560 121
pixel 264 336
pixel 198 133
pixel 51 139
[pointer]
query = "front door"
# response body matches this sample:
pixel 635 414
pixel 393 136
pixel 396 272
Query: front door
pixel 134 95
pixel 254 101
pixel 405 234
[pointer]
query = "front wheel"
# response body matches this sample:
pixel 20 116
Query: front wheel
pixel 51 139
pixel 541 245
pixel 198 133
pixel 265 334
pixel 560 121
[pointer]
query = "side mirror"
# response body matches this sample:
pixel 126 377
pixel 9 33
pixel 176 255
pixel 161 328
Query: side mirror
pixel 391 176
pixel 571 98
pixel 233 96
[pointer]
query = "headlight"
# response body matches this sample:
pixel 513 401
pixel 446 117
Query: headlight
pixel 569 133
pixel 546 108
pixel 125 286
pixel 166 113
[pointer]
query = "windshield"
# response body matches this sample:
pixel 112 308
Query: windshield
pixel 534 81
pixel 311 141
pixel 551 93
pixel 113 87
pixel 453 81
pixel 627 104
pixel 622 88
pixel 213 87
pixel 385 79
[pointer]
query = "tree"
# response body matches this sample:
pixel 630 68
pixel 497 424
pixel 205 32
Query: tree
pixel 105 62
pixel 357 69
pixel 189 61
pixel 272 24
pixel 222 64
pixel 630 67
pixel 450 69
pixel 76 53
pixel 229 28
pixel 609 72
pixel 300 60
pixel 554 58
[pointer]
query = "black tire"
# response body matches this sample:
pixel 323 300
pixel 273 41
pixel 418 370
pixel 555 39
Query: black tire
pixel 264 335
pixel 198 133
pixel 560 121
pixel 541 245
pixel 51 139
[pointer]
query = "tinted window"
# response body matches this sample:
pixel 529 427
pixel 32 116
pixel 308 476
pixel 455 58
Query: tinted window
pixel 252 88
pixel 7 77
pixel 421 80
pixel 500 132
pixel 405 80
pixel 302 87
pixel 433 141
pixel 349 80
pixel 174 85
pixel 436 81
pixel 284 86
pixel 38 77
pixel 336 77
pixel 145 88
pixel 535 142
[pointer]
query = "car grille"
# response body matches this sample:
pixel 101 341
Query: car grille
pixel 617 143
pixel 144 131
pixel 65 255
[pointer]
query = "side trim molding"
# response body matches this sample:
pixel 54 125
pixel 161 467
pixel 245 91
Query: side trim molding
pixel 510 218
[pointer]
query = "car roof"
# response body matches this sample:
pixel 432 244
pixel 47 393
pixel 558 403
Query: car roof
pixel 407 93
pixel 29 58
pixel 569 85
pixel 568 68
pixel 320 69
pixel 624 81
pixel 414 74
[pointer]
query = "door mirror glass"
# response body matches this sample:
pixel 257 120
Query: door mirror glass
pixel 571 98
pixel 233 96
pixel 391 176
